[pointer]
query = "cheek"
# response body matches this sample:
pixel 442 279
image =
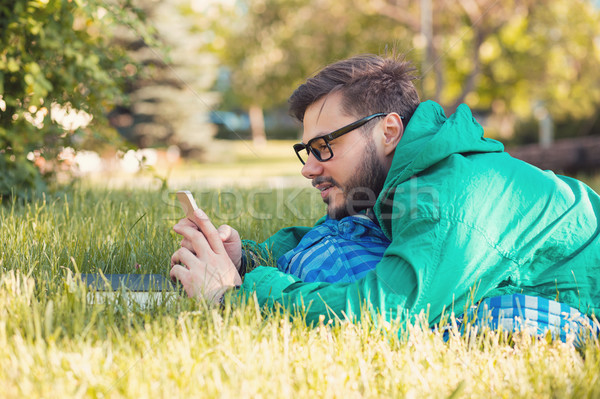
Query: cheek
pixel 346 160
pixel 348 171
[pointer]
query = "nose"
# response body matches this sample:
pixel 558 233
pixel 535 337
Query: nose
pixel 312 167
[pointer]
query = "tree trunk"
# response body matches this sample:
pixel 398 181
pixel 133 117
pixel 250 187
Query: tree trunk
pixel 257 126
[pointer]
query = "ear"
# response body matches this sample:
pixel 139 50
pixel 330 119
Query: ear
pixel 393 129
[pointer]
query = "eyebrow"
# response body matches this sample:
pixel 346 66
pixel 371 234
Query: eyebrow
pixel 322 135
pixel 316 137
pixel 319 135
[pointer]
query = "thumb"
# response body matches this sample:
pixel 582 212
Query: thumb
pixel 225 232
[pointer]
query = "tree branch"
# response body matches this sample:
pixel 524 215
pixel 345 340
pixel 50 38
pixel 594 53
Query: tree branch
pixel 397 12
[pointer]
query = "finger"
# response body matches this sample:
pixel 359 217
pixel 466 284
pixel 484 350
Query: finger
pixel 225 232
pixel 198 243
pixel 209 231
pixel 186 222
pixel 185 243
pixel 175 258
pixel 185 257
pixel 181 274
pixel 228 235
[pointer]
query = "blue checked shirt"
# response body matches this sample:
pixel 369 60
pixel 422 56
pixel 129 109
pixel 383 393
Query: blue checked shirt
pixel 336 251
pixel 536 315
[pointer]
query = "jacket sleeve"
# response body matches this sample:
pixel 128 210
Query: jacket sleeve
pixel 430 265
pixel 390 289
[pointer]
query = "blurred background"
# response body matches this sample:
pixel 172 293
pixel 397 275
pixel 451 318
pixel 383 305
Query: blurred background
pixel 161 93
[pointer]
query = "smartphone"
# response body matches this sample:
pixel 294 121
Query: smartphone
pixel 187 202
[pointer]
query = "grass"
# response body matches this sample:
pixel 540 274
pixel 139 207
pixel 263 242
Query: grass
pixel 53 343
pixel 228 162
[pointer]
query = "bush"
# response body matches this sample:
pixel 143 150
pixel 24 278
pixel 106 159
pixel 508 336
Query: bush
pixel 55 55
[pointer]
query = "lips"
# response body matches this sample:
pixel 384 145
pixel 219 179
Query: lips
pixel 325 193
pixel 324 188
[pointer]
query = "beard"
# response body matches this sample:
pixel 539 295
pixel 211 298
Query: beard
pixel 361 191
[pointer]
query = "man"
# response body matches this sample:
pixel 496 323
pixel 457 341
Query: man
pixel 466 221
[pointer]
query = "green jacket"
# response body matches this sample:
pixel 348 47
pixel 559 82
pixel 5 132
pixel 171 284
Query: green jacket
pixel 467 221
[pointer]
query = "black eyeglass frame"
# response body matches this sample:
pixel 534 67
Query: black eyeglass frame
pixel 331 136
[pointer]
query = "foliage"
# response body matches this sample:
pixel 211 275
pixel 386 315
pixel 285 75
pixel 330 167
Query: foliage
pixel 55 55
pixel 53 343
pixel 170 97
pixel 543 59
pixel 270 46
pixel 512 58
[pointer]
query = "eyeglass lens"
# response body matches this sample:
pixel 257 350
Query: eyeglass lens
pixel 319 148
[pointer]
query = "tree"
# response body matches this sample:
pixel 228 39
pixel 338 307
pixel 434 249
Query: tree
pixel 507 56
pixel 270 46
pixel 169 102
pixel 544 61
pixel 55 55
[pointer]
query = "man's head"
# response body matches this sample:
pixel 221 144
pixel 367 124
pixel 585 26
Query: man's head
pixel 379 95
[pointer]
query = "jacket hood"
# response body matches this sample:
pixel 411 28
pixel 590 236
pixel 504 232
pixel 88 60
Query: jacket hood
pixel 431 137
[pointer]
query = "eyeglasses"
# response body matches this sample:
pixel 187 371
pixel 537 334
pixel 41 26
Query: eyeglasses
pixel 319 146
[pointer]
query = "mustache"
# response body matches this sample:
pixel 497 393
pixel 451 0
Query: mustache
pixel 321 179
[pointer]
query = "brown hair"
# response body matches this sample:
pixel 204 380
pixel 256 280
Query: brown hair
pixel 368 83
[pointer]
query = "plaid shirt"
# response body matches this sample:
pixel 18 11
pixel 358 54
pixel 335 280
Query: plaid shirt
pixel 336 251
pixel 536 315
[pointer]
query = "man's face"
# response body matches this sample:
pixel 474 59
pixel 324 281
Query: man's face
pixel 354 177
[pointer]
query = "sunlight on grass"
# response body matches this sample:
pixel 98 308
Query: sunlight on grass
pixel 226 163
pixel 53 343
pixel 242 159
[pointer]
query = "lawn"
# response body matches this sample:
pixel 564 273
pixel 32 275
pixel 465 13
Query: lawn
pixel 54 343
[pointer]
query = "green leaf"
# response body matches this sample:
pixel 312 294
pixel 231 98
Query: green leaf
pixel 29 79
pixel 12 65
pixel 42 58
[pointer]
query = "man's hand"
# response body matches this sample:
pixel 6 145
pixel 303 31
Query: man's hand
pixel 206 270
pixel 230 237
